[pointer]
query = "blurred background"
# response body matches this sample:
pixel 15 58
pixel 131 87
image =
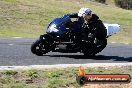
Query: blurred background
pixel 29 18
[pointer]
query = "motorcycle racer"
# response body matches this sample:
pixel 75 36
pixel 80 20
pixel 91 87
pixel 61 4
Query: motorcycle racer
pixel 90 22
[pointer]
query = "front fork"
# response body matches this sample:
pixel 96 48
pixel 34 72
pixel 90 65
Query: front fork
pixel 49 39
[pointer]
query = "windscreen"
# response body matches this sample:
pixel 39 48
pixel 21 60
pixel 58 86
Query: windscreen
pixel 60 21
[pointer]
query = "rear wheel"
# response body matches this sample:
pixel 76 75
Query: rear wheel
pixel 100 45
pixel 40 47
pixel 88 51
pixel 93 49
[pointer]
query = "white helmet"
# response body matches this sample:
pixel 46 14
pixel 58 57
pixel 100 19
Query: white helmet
pixel 84 11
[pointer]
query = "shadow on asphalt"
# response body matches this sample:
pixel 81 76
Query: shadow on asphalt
pixel 97 57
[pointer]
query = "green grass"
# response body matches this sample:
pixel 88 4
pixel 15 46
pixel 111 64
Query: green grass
pixel 55 78
pixel 29 18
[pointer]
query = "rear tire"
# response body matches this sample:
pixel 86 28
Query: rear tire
pixel 93 49
pixel 102 44
pixel 40 47
pixel 88 51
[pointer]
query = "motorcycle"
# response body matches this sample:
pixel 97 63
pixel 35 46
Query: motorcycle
pixel 64 35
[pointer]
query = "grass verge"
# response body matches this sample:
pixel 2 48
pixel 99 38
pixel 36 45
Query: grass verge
pixel 58 78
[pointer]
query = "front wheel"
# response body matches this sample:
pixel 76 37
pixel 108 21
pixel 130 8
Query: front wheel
pixel 40 47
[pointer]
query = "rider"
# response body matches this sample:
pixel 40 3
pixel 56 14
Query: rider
pixel 89 20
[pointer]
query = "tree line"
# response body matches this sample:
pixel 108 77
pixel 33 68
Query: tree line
pixel 125 4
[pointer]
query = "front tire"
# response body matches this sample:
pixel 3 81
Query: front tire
pixel 40 47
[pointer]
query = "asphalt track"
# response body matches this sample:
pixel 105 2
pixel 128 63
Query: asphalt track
pixel 16 52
